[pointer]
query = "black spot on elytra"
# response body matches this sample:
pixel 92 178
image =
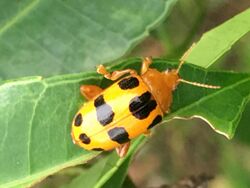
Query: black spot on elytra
pixel 128 83
pixel 84 138
pixel 118 134
pixel 78 120
pixel 97 149
pixel 156 120
pixel 99 101
pixel 141 106
pixel 104 112
pixel 138 102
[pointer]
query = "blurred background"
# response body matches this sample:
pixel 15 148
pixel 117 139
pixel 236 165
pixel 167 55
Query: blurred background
pixel 190 152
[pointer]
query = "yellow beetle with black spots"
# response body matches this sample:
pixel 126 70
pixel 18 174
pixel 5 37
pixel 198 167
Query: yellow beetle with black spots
pixel 129 107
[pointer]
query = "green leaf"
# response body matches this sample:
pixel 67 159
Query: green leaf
pixel 109 171
pixel 54 37
pixel 36 116
pixel 219 40
pixel 220 108
pixel 128 183
pixel 243 130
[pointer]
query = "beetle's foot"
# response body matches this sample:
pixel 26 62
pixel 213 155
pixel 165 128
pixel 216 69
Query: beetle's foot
pixel 114 75
pixel 90 91
pixel 145 64
pixel 123 149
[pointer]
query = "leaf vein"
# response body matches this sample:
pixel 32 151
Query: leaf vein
pixel 18 17
pixel 84 16
pixel 44 49
pixel 31 125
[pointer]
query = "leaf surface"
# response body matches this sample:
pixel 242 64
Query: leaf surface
pixel 219 40
pixel 56 37
pixel 36 116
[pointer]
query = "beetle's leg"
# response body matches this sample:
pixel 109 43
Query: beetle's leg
pixel 123 149
pixel 114 75
pixel 90 91
pixel 147 133
pixel 145 64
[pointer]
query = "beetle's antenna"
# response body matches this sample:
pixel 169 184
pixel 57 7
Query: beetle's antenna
pixel 183 58
pixel 182 61
pixel 199 84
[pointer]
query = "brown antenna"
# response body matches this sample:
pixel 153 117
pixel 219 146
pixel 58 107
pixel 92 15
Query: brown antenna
pixel 182 61
pixel 184 57
pixel 199 84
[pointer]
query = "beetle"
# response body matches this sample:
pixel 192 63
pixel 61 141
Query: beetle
pixel 131 106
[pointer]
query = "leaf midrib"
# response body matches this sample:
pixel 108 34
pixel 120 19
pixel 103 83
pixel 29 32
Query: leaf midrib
pixel 31 124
